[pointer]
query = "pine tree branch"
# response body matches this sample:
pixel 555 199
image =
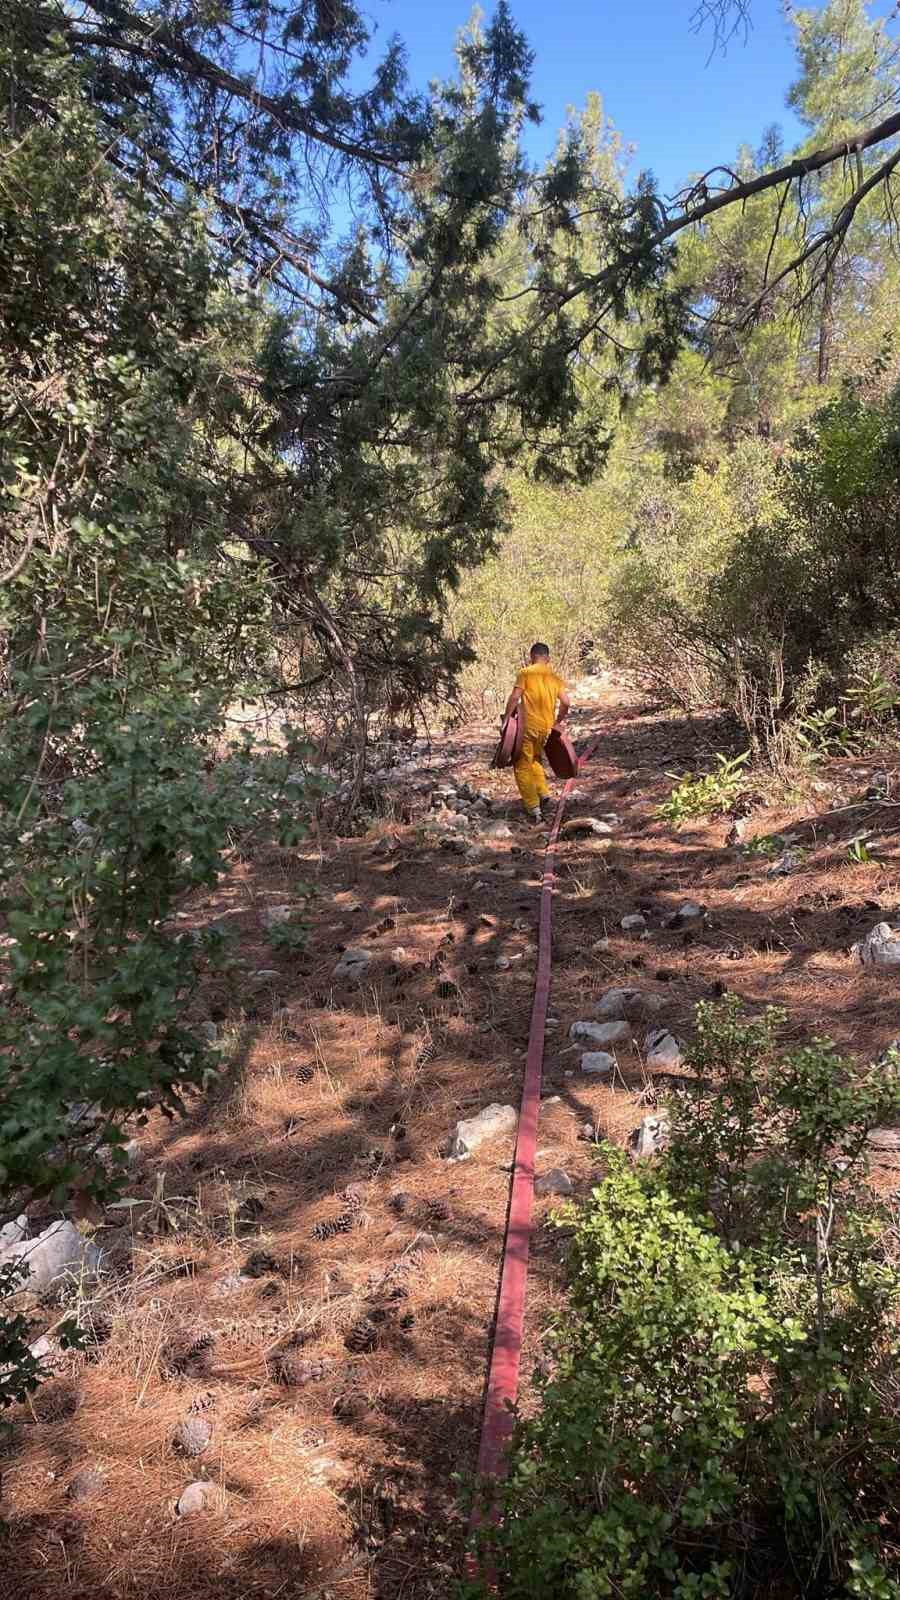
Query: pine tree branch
pixel 163 47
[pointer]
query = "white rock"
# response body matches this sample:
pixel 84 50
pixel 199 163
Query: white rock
pixel 275 916
pixel 586 825
pixel 600 1033
pixel 597 1062
pixel 556 1181
pixel 398 953
pixel 84 1114
pixel 634 923
pixel 498 830
pixel 689 912
pixel 649 1136
pixel 630 1004
pixel 662 1049
pixel 880 947
pixel 47 1351
pixel 469 1135
pixel 600 947
pixel 266 974
pixel 786 864
pixel 58 1252
pixel 502 963
pixel 198 1496
pixel 354 964
pixel 13 1232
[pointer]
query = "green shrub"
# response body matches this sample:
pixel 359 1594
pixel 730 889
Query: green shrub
pixel 721 1420
pixel 100 988
pixel 700 795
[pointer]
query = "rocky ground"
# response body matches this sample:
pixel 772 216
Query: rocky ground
pixel 289 1335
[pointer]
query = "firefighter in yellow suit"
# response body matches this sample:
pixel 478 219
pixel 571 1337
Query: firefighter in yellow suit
pixel 538 690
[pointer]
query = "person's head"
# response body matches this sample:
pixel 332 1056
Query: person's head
pixel 539 652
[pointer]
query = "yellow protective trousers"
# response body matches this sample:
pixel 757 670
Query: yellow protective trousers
pixel 531 779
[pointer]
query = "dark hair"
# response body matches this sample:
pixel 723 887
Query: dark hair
pixel 540 652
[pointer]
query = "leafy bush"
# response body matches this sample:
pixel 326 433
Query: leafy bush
pixel 722 1418
pixel 98 985
pixel 697 795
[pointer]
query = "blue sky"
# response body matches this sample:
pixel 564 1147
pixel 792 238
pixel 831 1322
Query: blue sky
pixel 683 111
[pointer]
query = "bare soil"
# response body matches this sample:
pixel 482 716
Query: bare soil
pixel 342 1372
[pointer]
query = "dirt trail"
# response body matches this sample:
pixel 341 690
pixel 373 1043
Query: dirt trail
pixel 341 1372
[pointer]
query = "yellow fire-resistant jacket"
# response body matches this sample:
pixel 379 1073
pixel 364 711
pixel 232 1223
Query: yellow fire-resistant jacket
pixel 541 689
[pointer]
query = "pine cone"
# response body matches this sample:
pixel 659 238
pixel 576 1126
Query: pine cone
pixel 56 1401
pixel 438 1211
pixel 201 1402
pixel 294 1372
pixel 183 1358
pixel 192 1436
pixel 305 1072
pixel 259 1264
pixel 341 1224
pixel 363 1336
pixel 350 1407
pixel 399 1203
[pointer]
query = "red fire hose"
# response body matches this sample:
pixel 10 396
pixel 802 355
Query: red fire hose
pixel 503 1374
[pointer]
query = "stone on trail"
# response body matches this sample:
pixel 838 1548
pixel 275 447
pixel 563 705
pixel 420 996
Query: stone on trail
pixel 198 1496
pixel 469 1135
pixel 886 1140
pixel 635 922
pixel 880 947
pixel 354 964
pixel 689 912
pixel 627 1004
pixel 600 947
pixel 277 916
pixel 786 864
pixel 598 1062
pixel 498 830
pixel 56 1253
pixel 586 825
pixel 600 1033
pixel 662 1049
pixel 556 1181
pixel 650 1136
